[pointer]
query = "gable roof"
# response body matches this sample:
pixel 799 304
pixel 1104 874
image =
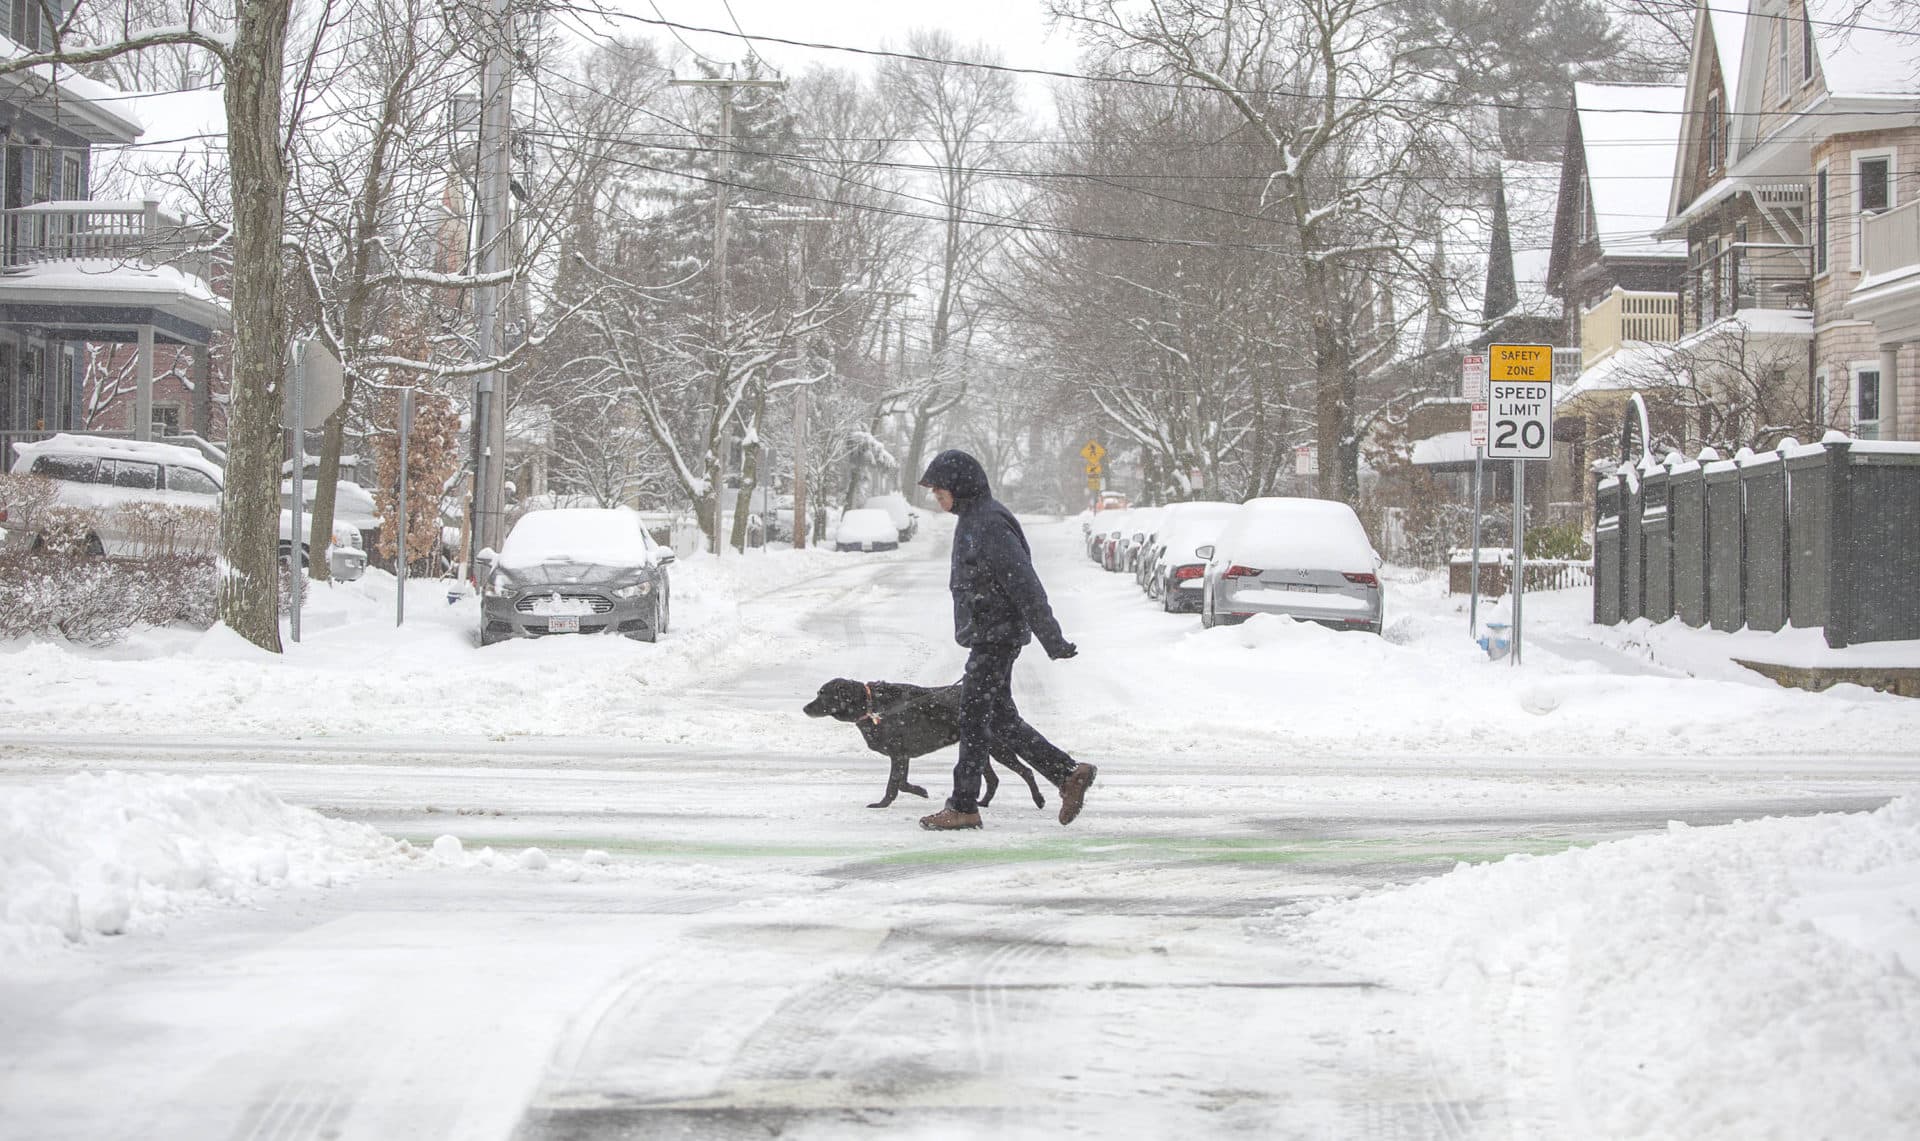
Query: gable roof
pixel 1631 138
pixel 1862 50
pixel 1719 39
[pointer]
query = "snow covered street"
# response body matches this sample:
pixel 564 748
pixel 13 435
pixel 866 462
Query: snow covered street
pixel 394 885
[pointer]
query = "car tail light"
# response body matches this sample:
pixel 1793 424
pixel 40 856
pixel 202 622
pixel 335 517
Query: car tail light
pixel 1191 570
pixel 1363 579
pixel 3 515
pixel 1238 571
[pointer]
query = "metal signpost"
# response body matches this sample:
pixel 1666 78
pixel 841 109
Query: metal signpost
pixel 316 388
pixel 1473 385
pixel 400 538
pixel 1520 428
pixel 1093 453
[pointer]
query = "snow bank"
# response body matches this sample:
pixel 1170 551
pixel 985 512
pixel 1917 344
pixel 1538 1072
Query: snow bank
pixel 1757 979
pixel 107 854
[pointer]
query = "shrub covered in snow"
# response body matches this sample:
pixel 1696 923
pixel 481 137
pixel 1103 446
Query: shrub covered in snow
pixel 96 601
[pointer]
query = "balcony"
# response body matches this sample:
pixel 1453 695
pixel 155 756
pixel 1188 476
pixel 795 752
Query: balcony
pixel 1889 294
pixel 111 232
pixel 1626 316
pixel 1747 276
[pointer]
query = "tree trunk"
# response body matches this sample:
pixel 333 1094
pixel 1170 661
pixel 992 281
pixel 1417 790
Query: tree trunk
pixel 749 471
pixel 250 513
pixel 326 486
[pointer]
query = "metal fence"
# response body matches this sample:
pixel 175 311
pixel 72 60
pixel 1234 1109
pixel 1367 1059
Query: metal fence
pixel 1823 535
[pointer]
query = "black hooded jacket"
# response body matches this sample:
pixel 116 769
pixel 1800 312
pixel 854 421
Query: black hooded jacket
pixel 997 597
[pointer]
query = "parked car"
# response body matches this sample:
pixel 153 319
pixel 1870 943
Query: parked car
pixel 866 529
pixel 352 504
pixel 1141 524
pixel 1305 558
pixel 576 570
pixel 105 475
pixel 1107 530
pixel 1178 570
pixel 906 520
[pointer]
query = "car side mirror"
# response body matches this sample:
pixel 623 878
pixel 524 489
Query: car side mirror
pixel 487 555
pixel 662 556
pixel 1204 553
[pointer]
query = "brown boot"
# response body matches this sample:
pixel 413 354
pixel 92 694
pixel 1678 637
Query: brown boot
pixel 1073 791
pixel 947 820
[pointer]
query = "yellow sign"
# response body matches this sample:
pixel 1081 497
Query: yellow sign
pixel 1093 453
pixel 1520 362
pixel 1093 467
pixel 1093 483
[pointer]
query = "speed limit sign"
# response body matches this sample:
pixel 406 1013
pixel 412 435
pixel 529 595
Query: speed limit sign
pixel 1520 402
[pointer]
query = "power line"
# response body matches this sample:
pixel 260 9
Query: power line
pixel 1163 84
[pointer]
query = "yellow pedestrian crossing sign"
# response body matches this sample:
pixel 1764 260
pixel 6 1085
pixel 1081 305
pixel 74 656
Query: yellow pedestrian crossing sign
pixel 1093 453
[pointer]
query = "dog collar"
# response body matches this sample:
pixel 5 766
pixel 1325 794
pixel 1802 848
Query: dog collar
pixel 873 714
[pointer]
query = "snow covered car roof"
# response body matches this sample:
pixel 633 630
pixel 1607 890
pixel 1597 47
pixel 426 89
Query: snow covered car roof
pixel 1286 531
pixel 596 536
pixel 866 525
pixel 64 442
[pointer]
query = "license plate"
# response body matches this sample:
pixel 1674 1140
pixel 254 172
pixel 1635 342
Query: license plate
pixel 1304 587
pixel 563 624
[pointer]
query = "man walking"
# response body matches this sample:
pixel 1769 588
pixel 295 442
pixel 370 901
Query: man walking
pixel 998 606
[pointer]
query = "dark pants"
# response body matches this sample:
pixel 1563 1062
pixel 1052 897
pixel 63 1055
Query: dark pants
pixel 989 720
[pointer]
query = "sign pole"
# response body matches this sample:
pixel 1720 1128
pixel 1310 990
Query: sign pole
pixel 1473 604
pixel 1473 382
pixel 400 560
pixel 1519 584
pixel 296 575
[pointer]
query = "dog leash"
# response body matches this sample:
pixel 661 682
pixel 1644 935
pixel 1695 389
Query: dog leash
pixel 873 714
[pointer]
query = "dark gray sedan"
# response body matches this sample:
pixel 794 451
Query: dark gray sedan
pixel 576 570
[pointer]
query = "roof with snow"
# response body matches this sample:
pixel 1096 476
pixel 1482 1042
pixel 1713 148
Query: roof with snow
pixel 74 294
pixel 81 105
pixel 1865 47
pixel 1632 137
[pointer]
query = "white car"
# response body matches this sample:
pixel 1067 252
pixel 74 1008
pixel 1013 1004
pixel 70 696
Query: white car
pixel 906 520
pixel 866 529
pixel 1308 559
pixel 104 475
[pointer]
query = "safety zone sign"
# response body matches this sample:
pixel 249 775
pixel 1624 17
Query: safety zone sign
pixel 1519 402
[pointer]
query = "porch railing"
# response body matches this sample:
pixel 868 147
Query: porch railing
pixel 1749 276
pixel 1891 240
pixel 112 231
pixel 1628 316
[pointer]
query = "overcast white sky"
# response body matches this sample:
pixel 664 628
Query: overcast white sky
pixel 1018 28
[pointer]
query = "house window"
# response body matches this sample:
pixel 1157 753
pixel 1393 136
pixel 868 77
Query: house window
pixel 1581 231
pixel 1866 401
pixel 1876 187
pixel 1806 46
pixel 1713 130
pixel 72 187
pixel 166 419
pixel 1820 221
pixel 1873 190
pixel 1783 53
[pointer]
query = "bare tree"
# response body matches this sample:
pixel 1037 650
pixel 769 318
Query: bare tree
pixel 960 116
pixel 1333 95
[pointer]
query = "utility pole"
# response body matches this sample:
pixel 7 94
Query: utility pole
pixel 725 87
pixel 489 405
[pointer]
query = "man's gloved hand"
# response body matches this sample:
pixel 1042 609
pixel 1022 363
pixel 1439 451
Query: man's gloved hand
pixel 1063 650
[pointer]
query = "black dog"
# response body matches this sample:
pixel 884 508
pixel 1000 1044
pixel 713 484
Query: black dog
pixel 902 722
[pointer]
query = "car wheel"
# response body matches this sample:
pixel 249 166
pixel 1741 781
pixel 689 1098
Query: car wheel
pixel 1166 600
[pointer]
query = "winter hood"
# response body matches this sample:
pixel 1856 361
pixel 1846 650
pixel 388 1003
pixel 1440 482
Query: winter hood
pixel 957 472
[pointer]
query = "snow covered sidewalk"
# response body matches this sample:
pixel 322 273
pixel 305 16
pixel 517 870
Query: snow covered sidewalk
pixel 1759 979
